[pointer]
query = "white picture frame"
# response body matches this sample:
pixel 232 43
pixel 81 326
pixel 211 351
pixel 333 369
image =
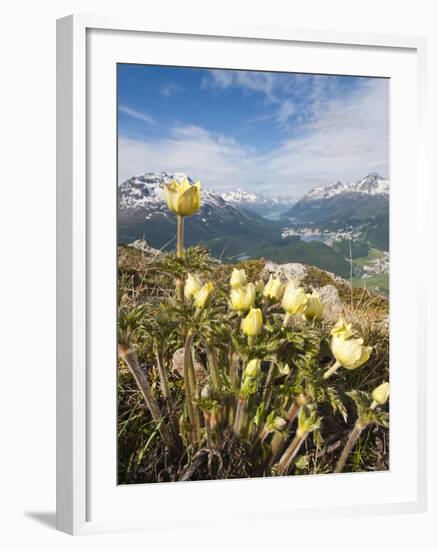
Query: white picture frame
pixel 76 219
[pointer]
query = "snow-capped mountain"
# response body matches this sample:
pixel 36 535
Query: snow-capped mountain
pixel 145 194
pixel 372 184
pixel 143 212
pixel 256 202
pixel 355 202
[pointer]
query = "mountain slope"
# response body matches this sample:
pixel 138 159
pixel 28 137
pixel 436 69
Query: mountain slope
pixel 362 200
pixel 250 200
pixel 143 211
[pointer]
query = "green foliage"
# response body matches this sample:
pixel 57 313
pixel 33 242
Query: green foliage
pixel 358 248
pixel 232 440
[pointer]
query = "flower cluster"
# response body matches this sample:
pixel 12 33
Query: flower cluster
pixel 266 356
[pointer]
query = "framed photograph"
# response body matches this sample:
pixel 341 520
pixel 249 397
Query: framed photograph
pixel 239 219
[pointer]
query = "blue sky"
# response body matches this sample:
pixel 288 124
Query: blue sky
pixel 275 133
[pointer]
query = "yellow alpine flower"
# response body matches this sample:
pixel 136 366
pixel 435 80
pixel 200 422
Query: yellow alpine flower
pixel 253 323
pixel 252 369
pixel 274 289
pixel 203 295
pixel 238 278
pixel 294 299
pixel 349 352
pixel 184 199
pixel 342 329
pixel 192 286
pixel 314 306
pixel 381 393
pixel 242 297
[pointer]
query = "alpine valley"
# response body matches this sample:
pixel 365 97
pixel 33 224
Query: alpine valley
pixel 339 227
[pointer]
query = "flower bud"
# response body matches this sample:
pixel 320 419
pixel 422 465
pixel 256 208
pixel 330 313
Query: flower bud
pixel 294 299
pixel 183 198
pixel 381 393
pixel 314 306
pixel 274 423
pixel 274 289
pixel 238 278
pixel 203 295
pixel 192 286
pixel 242 297
pixel 253 368
pixel 252 325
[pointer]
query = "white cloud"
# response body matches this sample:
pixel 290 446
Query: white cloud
pixel 343 139
pixel 137 114
pixel 170 89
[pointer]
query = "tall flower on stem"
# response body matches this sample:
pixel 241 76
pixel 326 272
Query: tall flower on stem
pixel 184 199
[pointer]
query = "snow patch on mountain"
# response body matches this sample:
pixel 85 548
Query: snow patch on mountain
pixel 372 184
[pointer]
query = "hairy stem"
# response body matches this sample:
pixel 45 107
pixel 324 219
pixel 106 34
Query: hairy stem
pixel 240 415
pixel 164 383
pixel 214 375
pixel 193 416
pixel 142 381
pixel 234 361
pixel 290 453
pixel 331 370
pixel 349 446
pixel 279 441
pixel 267 393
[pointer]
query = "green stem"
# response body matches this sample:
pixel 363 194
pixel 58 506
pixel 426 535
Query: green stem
pixel 290 453
pixel 351 442
pixel 180 237
pixel 179 252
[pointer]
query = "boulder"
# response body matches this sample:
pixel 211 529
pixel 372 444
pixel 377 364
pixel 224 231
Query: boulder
pixel 178 366
pixel 285 271
pixel 329 296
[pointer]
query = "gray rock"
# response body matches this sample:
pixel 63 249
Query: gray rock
pixel 285 271
pixel 178 366
pixel 144 246
pixel 329 296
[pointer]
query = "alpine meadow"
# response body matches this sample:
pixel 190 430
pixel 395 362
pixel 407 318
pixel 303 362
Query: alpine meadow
pixel 253 274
